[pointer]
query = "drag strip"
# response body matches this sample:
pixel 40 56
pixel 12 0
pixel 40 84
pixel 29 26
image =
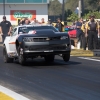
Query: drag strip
pixel 79 79
pixel 12 94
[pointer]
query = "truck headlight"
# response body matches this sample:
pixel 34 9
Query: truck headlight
pixel 64 37
pixel 28 39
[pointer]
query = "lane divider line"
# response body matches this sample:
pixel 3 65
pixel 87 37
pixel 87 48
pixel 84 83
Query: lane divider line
pixel 89 59
pixel 12 94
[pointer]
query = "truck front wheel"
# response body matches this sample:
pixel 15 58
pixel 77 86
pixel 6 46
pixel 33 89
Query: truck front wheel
pixel 66 57
pixel 21 58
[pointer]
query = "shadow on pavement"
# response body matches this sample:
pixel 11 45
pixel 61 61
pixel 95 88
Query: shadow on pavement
pixel 40 63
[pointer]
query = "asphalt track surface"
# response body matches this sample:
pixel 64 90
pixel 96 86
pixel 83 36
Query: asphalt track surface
pixel 79 79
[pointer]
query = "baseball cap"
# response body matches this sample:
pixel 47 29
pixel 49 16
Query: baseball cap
pixel 4 17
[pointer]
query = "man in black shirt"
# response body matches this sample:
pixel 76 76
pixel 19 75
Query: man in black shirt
pixel 59 25
pixel 5 28
pixel 92 30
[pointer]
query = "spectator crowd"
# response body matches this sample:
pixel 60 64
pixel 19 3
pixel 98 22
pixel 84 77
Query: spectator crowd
pixel 87 31
pixel 26 21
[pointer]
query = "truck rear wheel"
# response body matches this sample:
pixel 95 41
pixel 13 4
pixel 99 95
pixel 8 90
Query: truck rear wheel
pixel 5 56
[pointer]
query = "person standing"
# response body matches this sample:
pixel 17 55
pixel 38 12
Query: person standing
pixel 92 31
pixel 59 25
pixel 5 28
pixel 73 25
pixel 99 29
pixel 84 38
pixel 79 33
pixel 49 22
pixel 43 22
pixel 99 36
pixel 34 22
pixel 22 21
pixel 27 22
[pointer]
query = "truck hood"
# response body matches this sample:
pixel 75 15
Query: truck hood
pixel 44 33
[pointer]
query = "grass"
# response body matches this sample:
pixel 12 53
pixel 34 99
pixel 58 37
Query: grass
pixel 69 23
pixel 82 53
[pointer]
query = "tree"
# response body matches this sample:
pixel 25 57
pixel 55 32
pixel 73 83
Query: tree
pixel 71 4
pixel 95 13
pixel 67 14
pixel 73 17
pixel 88 4
pixel 93 4
pixel 93 1
pixel 55 7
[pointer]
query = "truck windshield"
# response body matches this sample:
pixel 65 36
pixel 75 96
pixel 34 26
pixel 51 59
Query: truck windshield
pixel 25 29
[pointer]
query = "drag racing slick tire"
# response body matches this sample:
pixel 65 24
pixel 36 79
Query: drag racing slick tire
pixel 66 57
pixel 21 58
pixel 5 56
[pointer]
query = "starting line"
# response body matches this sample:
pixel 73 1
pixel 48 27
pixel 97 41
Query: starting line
pixel 11 94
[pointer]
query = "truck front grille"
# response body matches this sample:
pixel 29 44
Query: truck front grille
pixel 46 39
pixel 47 48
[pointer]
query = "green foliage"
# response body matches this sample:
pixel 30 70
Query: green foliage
pixel 55 7
pixel 94 4
pixel 69 23
pixel 67 14
pixel 95 13
pixel 73 17
pixel 90 7
pixel 93 1
pixel 71 4
pixel 86 4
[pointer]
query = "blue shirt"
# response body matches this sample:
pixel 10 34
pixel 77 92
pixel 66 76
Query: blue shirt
pixel 78 24
pixel 78 30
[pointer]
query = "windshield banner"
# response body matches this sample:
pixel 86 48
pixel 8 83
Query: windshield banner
pixel 15 14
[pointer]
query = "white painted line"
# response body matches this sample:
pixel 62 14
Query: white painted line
pixel 89 59
pixel 12 94
pixel 71 55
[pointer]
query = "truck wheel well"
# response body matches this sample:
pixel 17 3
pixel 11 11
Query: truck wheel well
pixel 17 43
